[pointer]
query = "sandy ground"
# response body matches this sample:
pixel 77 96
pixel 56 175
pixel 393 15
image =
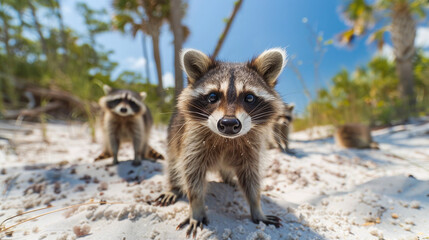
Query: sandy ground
pixel 322 192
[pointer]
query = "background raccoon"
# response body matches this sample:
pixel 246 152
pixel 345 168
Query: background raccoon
pixel 281 129
pixel 354 136
pixel 220 124
pixel 126 118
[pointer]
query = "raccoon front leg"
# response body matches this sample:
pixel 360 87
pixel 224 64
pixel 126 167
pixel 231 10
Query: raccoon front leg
pixel 175 191
pixel 195 179
pixel 249 181
pixel 114 146
pixel 138 150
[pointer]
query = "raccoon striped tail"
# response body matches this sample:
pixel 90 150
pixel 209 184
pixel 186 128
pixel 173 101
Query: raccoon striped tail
pixel 153 154
pixel 103 155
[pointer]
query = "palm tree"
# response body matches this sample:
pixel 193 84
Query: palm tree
pixel 38 26
pixel 5 20
pixel 181 33
pixel 56 8
pixel 155 12
pixel 222 37
pixel 400 17
pixel 92 21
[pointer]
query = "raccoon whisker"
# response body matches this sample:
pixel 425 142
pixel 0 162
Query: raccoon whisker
pixel 198 113
pixel 175 135
pixel 264 112
pixel 250 113
pixel 199 108
pixel 264 109
pixel 202 113
pixel 261 119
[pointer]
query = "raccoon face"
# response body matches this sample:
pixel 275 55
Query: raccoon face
pixel 231 99
pixel 123 103
pixel 287 116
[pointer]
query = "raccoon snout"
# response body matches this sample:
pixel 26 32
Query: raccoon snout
pixel 229 125
pixel 123 110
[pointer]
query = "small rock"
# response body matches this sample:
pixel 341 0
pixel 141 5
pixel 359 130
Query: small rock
pixel 415 204
pixel 81 231
pixel 57 188
pixel 103 186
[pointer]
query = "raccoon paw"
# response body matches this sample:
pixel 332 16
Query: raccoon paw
pixel 290 152
pixel 136 162
pixel 102 156
pixel 270 220
pixel 166 199
pixel 193 226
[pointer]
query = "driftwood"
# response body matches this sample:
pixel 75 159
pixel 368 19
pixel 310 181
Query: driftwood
pixel 9 127
pixel 63 96
pixel 13 114
pixel 59 103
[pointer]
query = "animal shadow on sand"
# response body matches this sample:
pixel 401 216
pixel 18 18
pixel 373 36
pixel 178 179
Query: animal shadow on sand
pixel 147 169
pixel 228 214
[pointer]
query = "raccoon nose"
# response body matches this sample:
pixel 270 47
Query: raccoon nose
pixel 123 110
pixel 229 125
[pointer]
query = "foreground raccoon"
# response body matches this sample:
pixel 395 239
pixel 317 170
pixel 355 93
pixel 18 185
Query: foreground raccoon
pixel 281 129
pixel 126 118
pixel 221 122
pixel 354 136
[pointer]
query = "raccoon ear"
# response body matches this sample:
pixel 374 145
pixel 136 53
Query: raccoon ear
pixel 270 64
pixel 291 107
pixel 143 95
pixel 195 64
pixel 107 89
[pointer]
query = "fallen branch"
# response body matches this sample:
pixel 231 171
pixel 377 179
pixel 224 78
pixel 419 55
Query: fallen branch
pixel 13 114
pixel 63 96
pixel 56 94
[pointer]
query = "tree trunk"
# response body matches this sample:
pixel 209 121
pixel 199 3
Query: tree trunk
pixel 6 35
pixel 145 56
pixel 21 22
pixel 222 37
pixel 63 31
pixel 403 30
pixel 38 29
pixel 176 25
pixel 157 57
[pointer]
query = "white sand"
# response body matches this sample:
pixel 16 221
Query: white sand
pixel 323 192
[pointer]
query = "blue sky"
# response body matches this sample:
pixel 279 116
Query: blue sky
pixel 259 25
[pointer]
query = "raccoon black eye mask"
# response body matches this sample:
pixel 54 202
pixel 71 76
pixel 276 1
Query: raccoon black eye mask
pixel 221 124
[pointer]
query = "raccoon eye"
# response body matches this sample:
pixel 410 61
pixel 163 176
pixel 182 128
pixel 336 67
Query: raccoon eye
pixel 113 103
pixel 250 98
pixel 212 98
pixel 134 106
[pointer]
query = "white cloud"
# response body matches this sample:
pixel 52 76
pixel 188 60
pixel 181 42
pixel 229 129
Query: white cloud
pixel 168 79
pixel 135 63
pixel 422 37
pixel 386 52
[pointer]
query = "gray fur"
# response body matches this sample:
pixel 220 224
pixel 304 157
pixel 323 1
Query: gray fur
pixel 282 128
pixel 134 127
pixel 195 148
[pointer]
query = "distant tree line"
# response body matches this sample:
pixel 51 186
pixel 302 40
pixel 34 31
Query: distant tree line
pixel 38 49
pixel 370 95
pixel 382 92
